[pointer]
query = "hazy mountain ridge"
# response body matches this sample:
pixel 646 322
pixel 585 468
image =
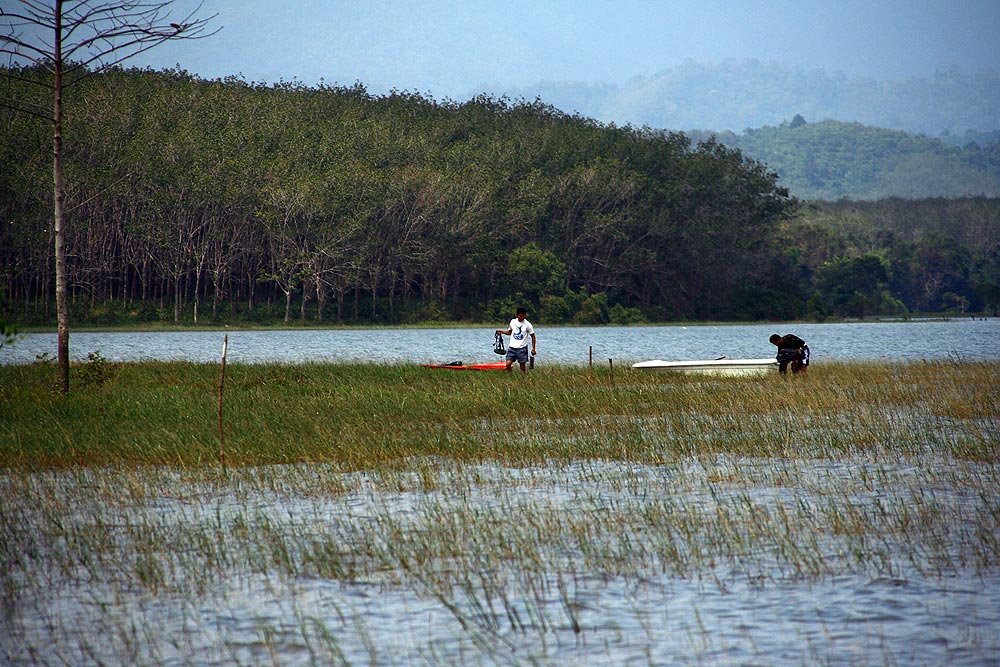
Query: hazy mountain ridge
pixel 735 95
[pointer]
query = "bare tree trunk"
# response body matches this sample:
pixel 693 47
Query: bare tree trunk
pixel 62 308
pixel 215 301
pixel 357 298
pixel 197 285
pixel 96 35
pixel 197 295
pixel 177 298
pixel 392 300
pixel 320 298
pixel 145 281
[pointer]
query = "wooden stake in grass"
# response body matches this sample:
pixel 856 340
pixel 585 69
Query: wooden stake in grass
pixel 222 380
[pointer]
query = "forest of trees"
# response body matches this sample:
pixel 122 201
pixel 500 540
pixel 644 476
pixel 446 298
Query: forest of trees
pixel 895 256
pixel 866 139
pixel 833 160
pixel 201 201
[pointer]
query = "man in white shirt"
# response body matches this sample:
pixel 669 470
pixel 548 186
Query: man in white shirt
pixel 519 331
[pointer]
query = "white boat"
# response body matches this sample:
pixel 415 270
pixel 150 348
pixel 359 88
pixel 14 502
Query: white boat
pixel 722 366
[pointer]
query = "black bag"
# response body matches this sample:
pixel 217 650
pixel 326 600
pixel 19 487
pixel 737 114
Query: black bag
pixel 498 346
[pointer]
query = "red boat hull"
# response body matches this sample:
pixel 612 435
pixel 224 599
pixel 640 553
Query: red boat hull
pixel 494 366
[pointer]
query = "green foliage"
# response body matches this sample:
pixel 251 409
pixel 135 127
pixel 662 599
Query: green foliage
pixel 223 202
pixel 212 201
pixel 954 303
pixel 97 371
pixel 619 314
pixel 890 305
pixel 863 275
pixel 894 256
pixel 534 272
pixel 555 309
pixel 989 293
pixel 8 333
pixel 593 310
pixel 832 160
pixel 853 286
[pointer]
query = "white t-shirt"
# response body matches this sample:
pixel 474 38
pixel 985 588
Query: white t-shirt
pixel 520 333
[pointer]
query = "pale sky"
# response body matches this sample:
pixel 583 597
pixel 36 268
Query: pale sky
pixel 454 49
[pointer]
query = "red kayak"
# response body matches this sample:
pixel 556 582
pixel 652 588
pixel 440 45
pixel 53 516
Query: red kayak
pixel 494 366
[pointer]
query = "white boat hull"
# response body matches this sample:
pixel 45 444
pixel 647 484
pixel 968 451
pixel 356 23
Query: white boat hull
pixel 712 366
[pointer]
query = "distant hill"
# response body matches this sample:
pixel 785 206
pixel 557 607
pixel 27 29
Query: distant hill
pixel 735 95
pixel 832 160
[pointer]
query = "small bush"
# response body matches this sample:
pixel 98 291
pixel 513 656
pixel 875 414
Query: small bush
pixel 97 371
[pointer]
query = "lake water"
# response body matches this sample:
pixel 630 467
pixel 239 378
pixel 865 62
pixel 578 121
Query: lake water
pixel 910 340
pixel 98 537
pixel 873 599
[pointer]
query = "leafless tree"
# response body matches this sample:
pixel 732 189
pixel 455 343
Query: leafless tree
pixel 69 41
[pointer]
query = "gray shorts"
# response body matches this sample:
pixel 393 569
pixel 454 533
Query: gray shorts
pixel 518 354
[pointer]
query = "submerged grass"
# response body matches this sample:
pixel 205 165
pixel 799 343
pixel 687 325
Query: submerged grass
pixel 365 416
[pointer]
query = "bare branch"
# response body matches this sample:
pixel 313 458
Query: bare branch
pixel 38 14
pixel 34 110
pixel 39 61
pixel 98 194
pixel 115 32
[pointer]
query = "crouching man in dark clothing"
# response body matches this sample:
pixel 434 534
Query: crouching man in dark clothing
pixel 791 350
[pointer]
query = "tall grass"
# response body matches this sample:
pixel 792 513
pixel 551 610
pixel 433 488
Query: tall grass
pixel 368 416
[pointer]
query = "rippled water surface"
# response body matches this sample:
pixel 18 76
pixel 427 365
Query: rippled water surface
pixel 965 338
pixel 870 600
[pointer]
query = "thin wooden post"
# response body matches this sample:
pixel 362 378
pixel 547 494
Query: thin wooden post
pixel 612 365
pixel 590 374
pixel 222 380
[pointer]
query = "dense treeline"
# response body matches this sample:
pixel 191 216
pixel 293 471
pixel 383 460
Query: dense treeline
pixel 894 256
pixel 184 194
pixel 833 160
pixel 192 200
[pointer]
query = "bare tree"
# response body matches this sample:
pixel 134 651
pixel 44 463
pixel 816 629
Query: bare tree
pixel 69 41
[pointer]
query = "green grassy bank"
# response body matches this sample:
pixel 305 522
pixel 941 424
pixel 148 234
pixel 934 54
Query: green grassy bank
pixel 363 416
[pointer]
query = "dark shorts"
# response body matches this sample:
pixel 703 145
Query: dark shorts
pixel 787 355
pixel 518 354
pixel 799 359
